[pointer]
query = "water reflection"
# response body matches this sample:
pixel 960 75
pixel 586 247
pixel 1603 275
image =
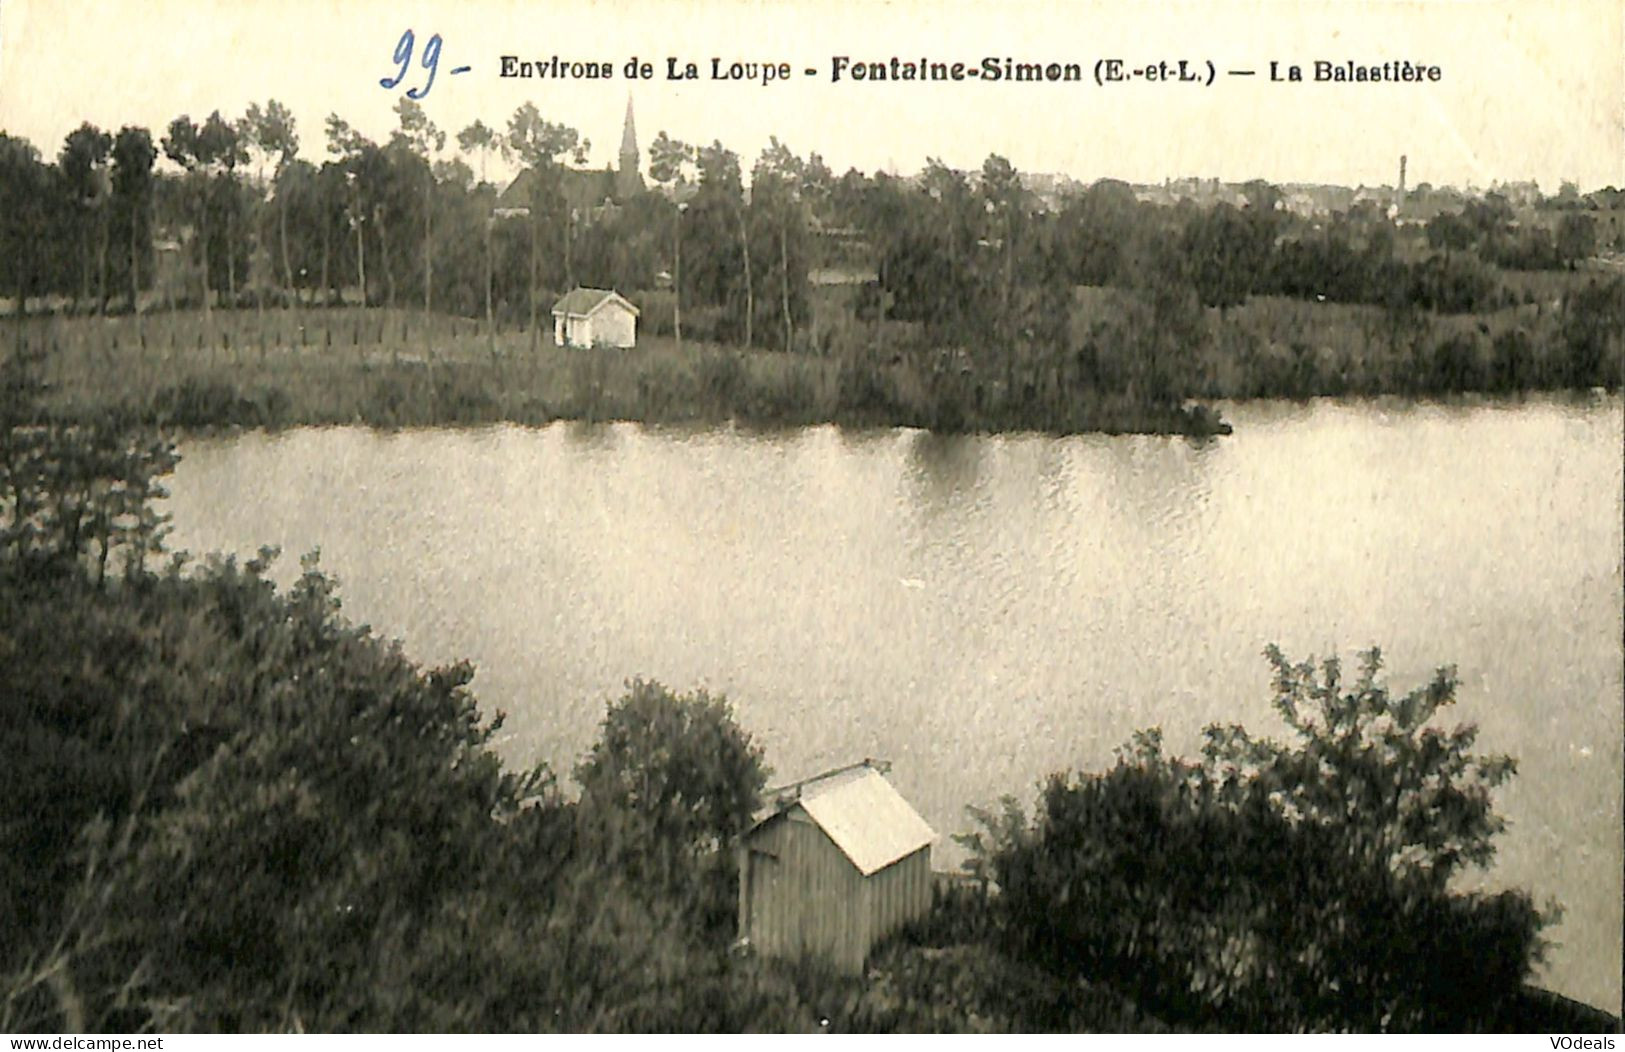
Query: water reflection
pixel 943 469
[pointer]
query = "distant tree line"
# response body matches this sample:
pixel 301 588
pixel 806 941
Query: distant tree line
pixel 977 263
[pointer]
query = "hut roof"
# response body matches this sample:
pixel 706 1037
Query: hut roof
pixel 581 302
pixel 864 816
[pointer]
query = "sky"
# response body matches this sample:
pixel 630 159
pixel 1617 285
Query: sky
pixel 1532 89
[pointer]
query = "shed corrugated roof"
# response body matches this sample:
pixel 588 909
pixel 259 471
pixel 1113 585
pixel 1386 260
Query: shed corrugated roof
pixel 867 819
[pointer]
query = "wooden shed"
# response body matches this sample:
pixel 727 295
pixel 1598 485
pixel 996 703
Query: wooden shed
pixel 836 864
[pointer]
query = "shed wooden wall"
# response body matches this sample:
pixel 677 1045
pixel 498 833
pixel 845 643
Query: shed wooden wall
pixel 800 895
pixel 898 894
pixel 804 896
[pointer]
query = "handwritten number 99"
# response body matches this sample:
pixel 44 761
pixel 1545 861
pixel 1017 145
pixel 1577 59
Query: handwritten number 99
pixel 403 56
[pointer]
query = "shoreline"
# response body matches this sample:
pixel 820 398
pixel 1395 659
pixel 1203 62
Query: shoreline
pixel 385 369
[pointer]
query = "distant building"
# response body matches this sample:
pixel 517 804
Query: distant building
pixel 595 318
pixel 836 864
pixel 587 191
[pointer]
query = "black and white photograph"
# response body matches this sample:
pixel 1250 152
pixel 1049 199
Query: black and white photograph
pixel 853 517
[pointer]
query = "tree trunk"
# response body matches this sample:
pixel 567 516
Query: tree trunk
pixel 530 290
pixel 428 254
pixel 569 238
pixel 327 283
pixel 102 236
pixel 287 268
pixel 1005 322
pixel 203 246
pixel 750 293
pixel 135 280
pixel 361 261
pixel 259 251
pixel 231 240
pixel 82 292
pixel 784 284
pixel 383 259
pixel 428 261
pixel 677 282
pixel 490 315
pixel 20 314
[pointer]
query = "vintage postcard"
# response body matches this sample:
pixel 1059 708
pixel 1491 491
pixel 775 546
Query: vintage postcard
pixel 840 516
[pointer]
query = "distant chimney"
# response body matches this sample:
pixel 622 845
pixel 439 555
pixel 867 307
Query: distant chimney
pixel 1399 198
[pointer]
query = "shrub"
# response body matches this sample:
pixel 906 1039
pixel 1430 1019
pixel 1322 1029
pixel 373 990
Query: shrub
pixel 273 792
pixel 1274 886
pixel 669 785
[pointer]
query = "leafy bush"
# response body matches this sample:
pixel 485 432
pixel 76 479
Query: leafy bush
pixel 667 789
pixel 257 790
pixel 1274 886
pixel 74 495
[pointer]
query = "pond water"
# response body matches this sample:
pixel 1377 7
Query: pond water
pixel 982 610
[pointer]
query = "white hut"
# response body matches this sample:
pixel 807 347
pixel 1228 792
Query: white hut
pixel 594 318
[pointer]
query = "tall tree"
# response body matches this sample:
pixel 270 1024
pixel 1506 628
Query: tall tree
pixel 670 785
pixel 1005 204
pixel 275 134
pixel 419 134
pixel 133 157
pixel 818 187
pixel 482 137
pixel 24 184
pixel 722 184
pixel 776 191
pixel 485 139
pixel 1224 250
pixel 371 199
pixel 183 145
pixel 539 144
pixel 669 163
pixel 222 143
pixel 83 162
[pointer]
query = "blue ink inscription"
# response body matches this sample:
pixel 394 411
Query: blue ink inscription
pixel 431 62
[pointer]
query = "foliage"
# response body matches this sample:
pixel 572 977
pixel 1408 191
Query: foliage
pixel 1593 331
pixel 669 786
pixel 74 495
pixel 1275 886
pixel 1224 250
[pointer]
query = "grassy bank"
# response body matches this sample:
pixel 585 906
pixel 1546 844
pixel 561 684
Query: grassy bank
pixel 1277 347
pixel 388 369
pixel 393 368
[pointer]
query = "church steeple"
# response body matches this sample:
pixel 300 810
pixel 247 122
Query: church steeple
pixel 629 180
